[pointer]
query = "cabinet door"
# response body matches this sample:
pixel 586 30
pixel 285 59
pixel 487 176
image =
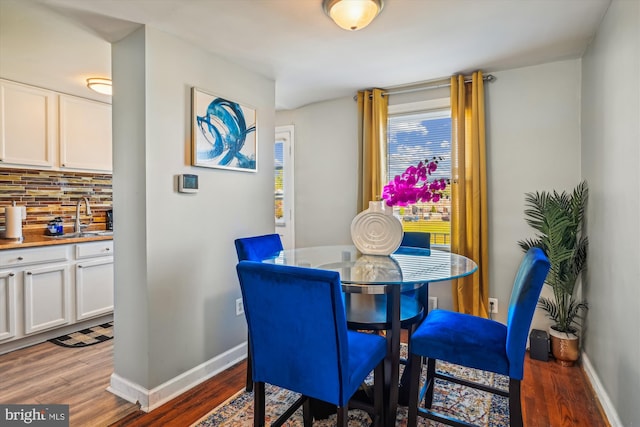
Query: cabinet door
pixel 85 134
pixel 46 297
pixel 7 305
pixel 94 288
pixel 27 125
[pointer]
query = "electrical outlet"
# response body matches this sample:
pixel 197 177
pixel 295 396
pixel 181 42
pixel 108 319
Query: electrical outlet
pixel 433 303
pixel 239 307
pixel 493 305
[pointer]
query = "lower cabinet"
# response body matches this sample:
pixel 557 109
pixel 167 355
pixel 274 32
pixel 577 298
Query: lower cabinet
pixel 94 288
pixel 46 298
pixel 46 288
pixel 7 304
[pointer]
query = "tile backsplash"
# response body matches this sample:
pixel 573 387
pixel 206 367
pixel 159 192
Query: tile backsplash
pixel 49 194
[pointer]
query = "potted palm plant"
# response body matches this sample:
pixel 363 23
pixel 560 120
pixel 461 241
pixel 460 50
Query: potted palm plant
pixel 558 220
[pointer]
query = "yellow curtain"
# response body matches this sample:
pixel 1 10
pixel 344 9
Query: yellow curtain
pixel 372 135
pixel 469 225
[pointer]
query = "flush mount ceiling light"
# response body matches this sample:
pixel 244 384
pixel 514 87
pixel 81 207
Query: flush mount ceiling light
pixel 100 85
pixel 352 15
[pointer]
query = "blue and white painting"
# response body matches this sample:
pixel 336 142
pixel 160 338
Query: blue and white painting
pixel 224 133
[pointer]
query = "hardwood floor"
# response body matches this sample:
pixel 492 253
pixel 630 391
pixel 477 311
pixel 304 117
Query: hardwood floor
pixel 49 374
pixel 552 396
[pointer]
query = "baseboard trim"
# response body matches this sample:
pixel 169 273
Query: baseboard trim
pixel 148 400
pixel 601 393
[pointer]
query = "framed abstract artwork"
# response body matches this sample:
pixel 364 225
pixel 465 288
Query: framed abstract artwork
pixel 223 133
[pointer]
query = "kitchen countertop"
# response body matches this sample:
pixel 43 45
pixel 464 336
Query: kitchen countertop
pixel 35 239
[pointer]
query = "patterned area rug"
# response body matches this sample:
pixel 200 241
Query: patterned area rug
pixel 86 337
pixel 470 405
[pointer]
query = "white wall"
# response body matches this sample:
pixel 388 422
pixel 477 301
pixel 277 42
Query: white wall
pixel 326 159
pixel 179 248
pixel 533 144
pixel 610 163
pixel 533 139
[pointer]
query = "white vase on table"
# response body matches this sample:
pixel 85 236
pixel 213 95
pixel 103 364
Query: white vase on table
pixel 376 231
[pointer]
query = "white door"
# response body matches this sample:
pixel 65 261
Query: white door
pixel 283 195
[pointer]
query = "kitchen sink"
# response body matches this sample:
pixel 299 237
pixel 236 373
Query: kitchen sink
pixel 97 233
pixel 83 234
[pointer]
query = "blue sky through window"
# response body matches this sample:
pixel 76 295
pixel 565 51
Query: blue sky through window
pixel 415 137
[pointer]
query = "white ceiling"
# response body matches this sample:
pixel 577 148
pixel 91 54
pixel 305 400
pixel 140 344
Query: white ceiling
pixel 311 59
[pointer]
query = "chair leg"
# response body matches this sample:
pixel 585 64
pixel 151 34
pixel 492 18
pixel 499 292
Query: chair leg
pixel 515 405
pixel 378 395
pixel 414 391
pixel 307 417
pixel 249 384
pixel 403 393
pixel 343 416
pixel 258 405
pixel 431 382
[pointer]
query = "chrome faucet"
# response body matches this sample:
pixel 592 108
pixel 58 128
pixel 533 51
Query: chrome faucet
pixel 77 227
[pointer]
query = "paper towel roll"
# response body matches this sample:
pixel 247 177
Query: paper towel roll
pixel 13 222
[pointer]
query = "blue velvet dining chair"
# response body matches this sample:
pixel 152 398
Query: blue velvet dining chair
pixel 300 341
pixel 422 240
pixel 479 343
pixel 416 239
pixel 256 248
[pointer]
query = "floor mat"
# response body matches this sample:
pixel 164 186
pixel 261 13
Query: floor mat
pixel 86 337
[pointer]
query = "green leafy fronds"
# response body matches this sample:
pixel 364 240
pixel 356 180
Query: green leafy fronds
pixel 564 316
pixel 558 220
pixel 551 308
pixel 531 243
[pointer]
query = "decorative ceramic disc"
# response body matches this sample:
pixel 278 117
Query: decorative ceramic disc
pixel 375 233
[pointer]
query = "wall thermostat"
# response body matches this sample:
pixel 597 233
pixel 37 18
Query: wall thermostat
pixel 188 183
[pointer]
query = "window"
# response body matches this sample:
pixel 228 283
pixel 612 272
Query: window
pixel 278 157
pixel 284 185
pixel 416 134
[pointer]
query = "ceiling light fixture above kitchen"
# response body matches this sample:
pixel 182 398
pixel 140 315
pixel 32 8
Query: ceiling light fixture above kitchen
pixel 352 15
pixel 100 85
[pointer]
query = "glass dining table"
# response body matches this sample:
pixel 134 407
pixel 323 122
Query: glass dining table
pixel 376 287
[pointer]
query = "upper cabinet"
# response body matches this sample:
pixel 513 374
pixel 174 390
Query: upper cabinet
pixel 46 130
pixel 85 134
pixel 27 125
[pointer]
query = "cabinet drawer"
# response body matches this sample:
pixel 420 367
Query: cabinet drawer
pixel 94 249
pixel 15 258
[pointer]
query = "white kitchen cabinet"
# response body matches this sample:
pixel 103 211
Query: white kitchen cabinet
pixel 7 304
pixel 46 298
pixel 48 289
pixel 28 128
pixel 94 279
pixel 85 134
pixel 38 288
pixel 42 129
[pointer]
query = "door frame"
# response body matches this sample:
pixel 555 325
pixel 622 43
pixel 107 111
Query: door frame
pixel 287 230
